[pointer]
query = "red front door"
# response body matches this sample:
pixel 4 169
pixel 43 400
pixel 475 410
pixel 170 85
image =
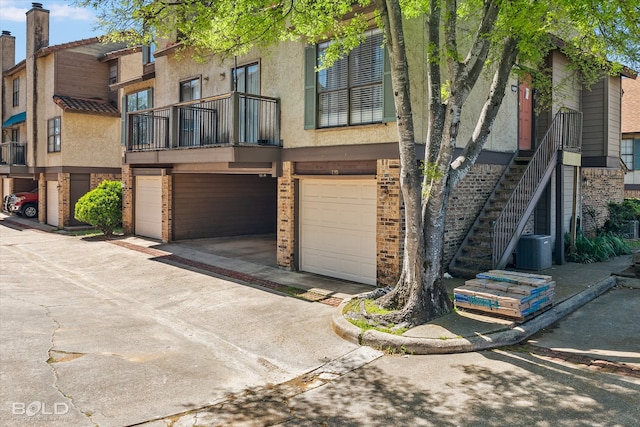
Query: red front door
pixel 525 115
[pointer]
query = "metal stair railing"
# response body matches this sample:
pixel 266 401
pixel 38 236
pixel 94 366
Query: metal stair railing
pixel 565 133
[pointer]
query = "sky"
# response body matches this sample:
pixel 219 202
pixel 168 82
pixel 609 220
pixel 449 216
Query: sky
pixel 66 23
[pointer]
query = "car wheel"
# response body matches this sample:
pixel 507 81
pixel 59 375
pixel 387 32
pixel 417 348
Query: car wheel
pixel 30 211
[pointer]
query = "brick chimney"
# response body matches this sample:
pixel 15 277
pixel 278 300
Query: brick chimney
pixel 37 29
pixel 7 51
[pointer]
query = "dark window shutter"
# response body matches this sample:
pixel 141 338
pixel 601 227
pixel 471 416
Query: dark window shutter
pixel 636 154
pixel 310 87
pixel 388 104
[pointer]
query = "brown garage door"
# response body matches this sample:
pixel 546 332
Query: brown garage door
pixel 209 205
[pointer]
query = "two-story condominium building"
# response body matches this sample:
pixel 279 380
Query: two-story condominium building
pixel 60 122
pixel 265 144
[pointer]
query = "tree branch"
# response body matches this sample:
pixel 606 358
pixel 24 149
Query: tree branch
pixel 436 111
pixel 463 163
pixel 474 63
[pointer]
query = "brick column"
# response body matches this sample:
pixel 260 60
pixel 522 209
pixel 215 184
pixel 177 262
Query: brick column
pixel 42 199
pixel 127 200
pixel 389 233
pixel 167 211
pixel 64 199
pixel 286 218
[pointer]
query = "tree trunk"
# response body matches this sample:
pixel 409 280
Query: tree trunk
pixel 419 295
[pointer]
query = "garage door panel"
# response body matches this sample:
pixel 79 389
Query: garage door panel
pixel 338 222
pixel 148 206
pixel 52 203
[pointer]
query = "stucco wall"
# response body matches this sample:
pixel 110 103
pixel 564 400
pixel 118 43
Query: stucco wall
pixel 282 76
pixel 90 141
pixel 129 66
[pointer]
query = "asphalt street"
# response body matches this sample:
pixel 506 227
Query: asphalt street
pixel 93 333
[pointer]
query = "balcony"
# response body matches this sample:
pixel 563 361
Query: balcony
pixel 13 154
pixel 234 119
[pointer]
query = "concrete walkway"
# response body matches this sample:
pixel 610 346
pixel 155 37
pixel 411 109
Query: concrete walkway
pixel 250 259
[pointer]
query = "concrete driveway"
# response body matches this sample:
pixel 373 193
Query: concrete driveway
pixel 96 334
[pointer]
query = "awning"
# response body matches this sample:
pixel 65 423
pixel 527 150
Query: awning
pixel 15 119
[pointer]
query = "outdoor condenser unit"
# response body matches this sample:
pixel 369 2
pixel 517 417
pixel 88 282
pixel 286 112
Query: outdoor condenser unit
pixel 534 252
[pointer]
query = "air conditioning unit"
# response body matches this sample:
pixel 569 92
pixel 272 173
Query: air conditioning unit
pixel 534 252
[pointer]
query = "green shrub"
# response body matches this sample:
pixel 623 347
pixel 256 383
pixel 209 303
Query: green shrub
pixel 102 207
pixel 597 249
pixel 620 214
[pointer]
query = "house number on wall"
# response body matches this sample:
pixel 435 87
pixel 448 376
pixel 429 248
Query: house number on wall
pixel 335 172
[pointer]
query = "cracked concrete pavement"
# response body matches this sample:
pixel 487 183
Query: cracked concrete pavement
pixel 94 334
pixel 116 338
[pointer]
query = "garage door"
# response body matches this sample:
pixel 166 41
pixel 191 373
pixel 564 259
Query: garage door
pixel 148 206
pixel 338 228
pixel 52 203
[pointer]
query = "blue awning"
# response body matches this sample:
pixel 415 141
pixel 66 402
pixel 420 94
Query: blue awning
pixel 15 119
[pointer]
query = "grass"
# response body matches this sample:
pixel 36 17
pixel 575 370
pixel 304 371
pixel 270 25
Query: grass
pixel 370 307
pixel 633 243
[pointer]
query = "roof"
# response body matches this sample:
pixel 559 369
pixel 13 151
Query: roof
pixel 85 106
pixel 630 120
pixel 120 52
pixel 93 46
pixel 15 119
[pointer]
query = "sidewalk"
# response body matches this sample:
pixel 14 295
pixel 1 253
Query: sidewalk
pixel 460 331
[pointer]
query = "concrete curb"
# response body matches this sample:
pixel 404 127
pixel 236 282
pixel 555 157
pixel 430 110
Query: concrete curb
pixel 412 345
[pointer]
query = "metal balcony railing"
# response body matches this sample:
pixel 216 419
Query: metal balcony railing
pixel 13 154
pixel 230 119
pixel 565 133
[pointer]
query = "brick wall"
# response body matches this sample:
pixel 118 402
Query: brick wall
pixel 465 203
pixel 599 187
pixel 286 218
pixel 390 218
pixel 97 179
pixel 632 194
pixel 42 199
pixel 64 198
pixel 167 211
pixel 127 200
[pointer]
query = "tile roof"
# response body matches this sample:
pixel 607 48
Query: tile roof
pixel 84 105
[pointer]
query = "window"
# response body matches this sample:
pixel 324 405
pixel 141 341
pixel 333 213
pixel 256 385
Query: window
pixel 630 152
pixel 15 135
pixel 140 100
pixel 53 135
pixel 626 153
pixel 355 90
pixel 189 91
pixel 135 101
pixel 16 92
pixel 113 73
pixel 246 79
pixel 147 54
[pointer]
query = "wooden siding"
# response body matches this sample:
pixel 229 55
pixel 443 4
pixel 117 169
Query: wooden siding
pixel 81 76
pixel 614 115
pixel 594 114
pixel 566 91
pixel 213 205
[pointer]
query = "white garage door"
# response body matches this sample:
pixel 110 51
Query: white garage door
pixel 148 207
pixel 338 228
pixel 52 203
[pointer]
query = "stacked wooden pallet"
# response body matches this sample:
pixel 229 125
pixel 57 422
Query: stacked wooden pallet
pixel 507 293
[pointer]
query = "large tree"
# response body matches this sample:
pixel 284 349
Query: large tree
pixel 466 41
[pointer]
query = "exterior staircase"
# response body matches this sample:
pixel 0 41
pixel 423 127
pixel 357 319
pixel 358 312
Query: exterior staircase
pixel 493 236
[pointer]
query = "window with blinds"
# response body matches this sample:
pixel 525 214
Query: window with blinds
pixel 350 92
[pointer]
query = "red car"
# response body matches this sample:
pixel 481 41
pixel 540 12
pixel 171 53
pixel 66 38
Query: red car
pixel 24 204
